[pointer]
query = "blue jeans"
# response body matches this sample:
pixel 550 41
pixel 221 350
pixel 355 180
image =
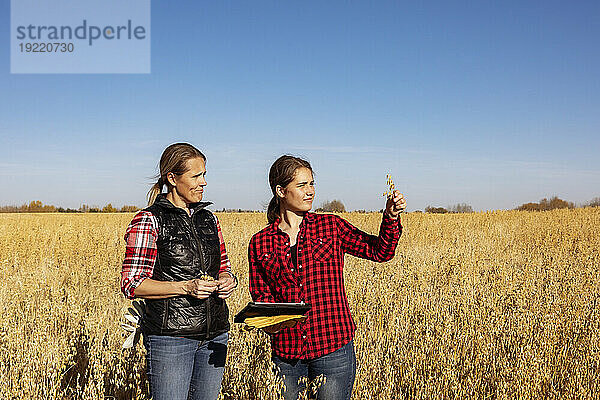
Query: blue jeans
pixel 338 368
pixel 182 369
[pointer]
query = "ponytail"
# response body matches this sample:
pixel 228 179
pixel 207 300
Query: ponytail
pixel 155 190
pixel 273 210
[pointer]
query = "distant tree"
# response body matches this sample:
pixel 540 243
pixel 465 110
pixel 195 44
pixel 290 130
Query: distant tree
pixel 109 209
pixel 595 202
pixel 461 208
pixel 529 207
pixel 37 206
pixel 84 208
pixel 129 209
pixel 332 206
pixel 546 204
pixel 66 210
pixel 555 203
pixel 435 210
pixel 33 206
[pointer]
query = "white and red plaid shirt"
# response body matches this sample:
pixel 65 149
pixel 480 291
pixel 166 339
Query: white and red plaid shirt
pixel 141 252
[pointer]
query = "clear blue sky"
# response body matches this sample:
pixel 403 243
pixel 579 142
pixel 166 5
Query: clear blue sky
pixel 489 103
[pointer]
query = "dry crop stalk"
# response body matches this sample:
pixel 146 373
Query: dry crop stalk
pixel 391 187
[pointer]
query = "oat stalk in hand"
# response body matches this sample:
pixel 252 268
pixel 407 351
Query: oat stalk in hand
pixel 390 182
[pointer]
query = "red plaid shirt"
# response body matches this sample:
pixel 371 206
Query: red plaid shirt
pixel 318 279
pixel 141 253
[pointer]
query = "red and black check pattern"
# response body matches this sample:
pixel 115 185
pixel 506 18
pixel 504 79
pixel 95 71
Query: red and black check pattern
pixel 317 280
pixel 141 252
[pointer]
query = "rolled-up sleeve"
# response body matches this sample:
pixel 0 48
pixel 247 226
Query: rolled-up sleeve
pixel 140 252
pixel 225 263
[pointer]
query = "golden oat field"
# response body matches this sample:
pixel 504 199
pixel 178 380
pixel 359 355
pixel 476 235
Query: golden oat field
pixel 495 305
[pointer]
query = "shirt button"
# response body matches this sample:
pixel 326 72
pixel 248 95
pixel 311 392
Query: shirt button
pixel 292 269
pixel 303 336
pixel 300 285
pixel 299 266
pixel 288 254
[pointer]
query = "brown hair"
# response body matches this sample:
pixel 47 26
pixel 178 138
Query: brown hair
pixel 174 159
pixel 282 172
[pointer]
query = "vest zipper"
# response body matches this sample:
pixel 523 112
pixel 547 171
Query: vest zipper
pixel 203 267
pixel 166 316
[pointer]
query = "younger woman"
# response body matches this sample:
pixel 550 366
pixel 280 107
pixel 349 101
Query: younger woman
pixel 299 257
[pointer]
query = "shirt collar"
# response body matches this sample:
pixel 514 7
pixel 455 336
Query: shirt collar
pixel 274 227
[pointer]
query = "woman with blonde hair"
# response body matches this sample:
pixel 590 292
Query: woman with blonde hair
pixel 176 260
pixel 299 258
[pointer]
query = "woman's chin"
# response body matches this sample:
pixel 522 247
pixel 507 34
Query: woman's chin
pixel 194 199
pixel 301 209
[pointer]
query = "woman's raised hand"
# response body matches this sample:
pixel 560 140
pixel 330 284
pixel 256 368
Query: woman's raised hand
pixel 395 204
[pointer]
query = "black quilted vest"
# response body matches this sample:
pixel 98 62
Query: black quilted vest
pixel 188 247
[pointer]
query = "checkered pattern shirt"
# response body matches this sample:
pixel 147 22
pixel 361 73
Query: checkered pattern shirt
pixel 317 279
pixel 141 252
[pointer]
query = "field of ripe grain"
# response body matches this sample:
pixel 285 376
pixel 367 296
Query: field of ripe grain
pixel 498 305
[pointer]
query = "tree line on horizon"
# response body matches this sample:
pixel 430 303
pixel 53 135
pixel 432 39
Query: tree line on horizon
pixel 545 204
pixel 39 207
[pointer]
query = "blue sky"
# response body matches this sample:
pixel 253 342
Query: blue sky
pixel 492 104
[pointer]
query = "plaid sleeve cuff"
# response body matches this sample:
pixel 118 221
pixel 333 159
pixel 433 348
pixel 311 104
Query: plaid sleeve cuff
pixel 130 284
pixel 388 222
pixel 389 234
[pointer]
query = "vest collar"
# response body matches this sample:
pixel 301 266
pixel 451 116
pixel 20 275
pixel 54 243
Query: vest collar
pixel 161 200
